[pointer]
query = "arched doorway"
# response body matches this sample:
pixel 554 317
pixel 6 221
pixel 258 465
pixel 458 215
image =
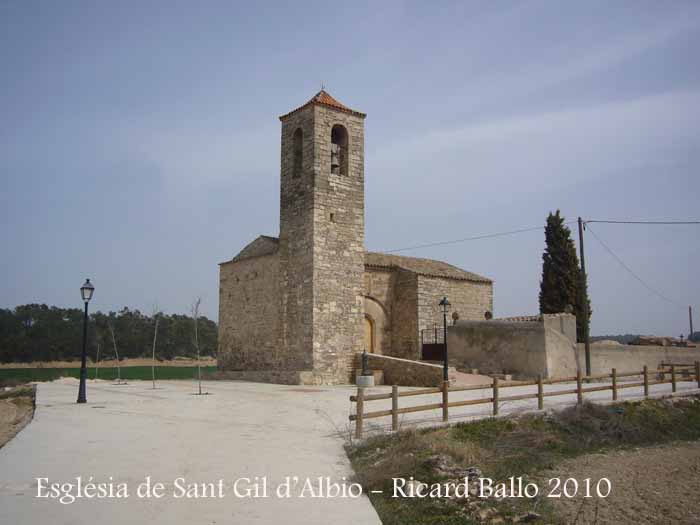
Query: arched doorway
pixel 369 334
pixel 377 328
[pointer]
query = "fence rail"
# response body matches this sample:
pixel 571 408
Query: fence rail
pixel 688 372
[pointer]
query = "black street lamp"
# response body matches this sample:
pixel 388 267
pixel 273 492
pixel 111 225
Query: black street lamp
pixel 445 305
pixel 86 291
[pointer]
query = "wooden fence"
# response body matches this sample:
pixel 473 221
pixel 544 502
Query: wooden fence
pixel 676 373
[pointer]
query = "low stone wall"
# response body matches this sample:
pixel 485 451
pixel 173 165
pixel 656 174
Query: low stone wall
pixel 630 358
pixel 523 347
pixel 403 372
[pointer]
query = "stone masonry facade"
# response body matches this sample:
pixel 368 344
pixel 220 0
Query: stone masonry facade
pixel 296 309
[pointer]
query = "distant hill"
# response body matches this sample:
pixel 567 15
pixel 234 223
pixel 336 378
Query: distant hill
pixel 622 339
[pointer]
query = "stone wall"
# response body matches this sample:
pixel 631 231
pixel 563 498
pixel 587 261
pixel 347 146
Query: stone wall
pixel 249 315
pixel 521 348
pixel 403 372
pixel 469 299
pixel 404 342
pixel 379 303
pixel 630 358
pixel 296 242
pixel 410 303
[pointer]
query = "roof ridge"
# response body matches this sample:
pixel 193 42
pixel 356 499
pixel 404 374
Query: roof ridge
pixel 323 98
pixel 422 266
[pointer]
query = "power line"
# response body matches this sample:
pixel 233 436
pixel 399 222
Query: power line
pixel 523 230
pixel 643 222
pixel 474 238
pixel 629 270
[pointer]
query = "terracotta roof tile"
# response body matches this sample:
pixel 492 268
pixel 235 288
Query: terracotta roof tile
pixel 262 245
pixel 428 267
pixel 322 98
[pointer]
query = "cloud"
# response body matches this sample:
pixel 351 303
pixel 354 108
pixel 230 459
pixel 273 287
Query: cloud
pixel 567 62
pixel 551 148
pixel 193 155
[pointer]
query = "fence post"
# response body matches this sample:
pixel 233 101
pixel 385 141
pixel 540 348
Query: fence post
pixel 579 392
pixel 646 381
pixel 673 378
pixel 697 372
pixel 445 390
pixel 360 407
pixel 614 384
pixel 540 392
pixel 395 407
pixel 495 396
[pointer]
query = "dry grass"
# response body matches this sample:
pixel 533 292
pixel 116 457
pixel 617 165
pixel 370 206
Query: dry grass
pixel 16 410
pixel 506 447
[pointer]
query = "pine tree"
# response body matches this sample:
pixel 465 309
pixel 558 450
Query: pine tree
pixel 560 287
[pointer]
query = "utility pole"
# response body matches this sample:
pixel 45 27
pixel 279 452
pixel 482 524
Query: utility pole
pixel 690 318
pixel 585 306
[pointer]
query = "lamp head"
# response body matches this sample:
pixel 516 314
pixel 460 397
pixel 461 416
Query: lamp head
pixel 86 290
pixel 444 304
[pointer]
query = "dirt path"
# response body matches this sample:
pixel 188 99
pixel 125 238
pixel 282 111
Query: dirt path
pixel 649 486
pixel 15 413
pixel 464 379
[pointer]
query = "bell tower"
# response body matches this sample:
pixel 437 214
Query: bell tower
pixel 321 243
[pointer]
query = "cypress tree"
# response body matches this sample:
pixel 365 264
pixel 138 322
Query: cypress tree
pixel 560 287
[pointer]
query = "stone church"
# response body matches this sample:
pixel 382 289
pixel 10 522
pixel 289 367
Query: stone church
pixel 298 308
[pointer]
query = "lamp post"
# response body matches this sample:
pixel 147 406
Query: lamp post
pixel 445 305
pixel 86 291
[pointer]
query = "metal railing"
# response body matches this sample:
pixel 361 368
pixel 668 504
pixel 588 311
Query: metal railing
pixel 432 335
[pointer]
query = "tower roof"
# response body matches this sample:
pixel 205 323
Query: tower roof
pixel 322 98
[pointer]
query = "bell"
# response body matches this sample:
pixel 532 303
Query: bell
pixel 335 157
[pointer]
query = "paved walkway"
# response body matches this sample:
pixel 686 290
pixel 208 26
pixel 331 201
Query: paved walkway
pixel 241 430
pixel 129 432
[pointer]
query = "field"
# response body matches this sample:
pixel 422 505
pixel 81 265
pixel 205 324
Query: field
pixel 24 375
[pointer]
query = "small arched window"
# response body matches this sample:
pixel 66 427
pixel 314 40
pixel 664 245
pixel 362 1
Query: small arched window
pixel 298 151
pixel 339 150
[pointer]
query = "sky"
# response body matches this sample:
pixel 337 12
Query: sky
pixel 139 142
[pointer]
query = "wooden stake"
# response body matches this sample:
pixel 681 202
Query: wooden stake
pixel 614 384
pixel 673 378
pixel 495 396
pixel 359 406
pixel 579 392
pixel 646 381
pixel 540 393
pixel 395 407
pixel 697 372
pixel 445 390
